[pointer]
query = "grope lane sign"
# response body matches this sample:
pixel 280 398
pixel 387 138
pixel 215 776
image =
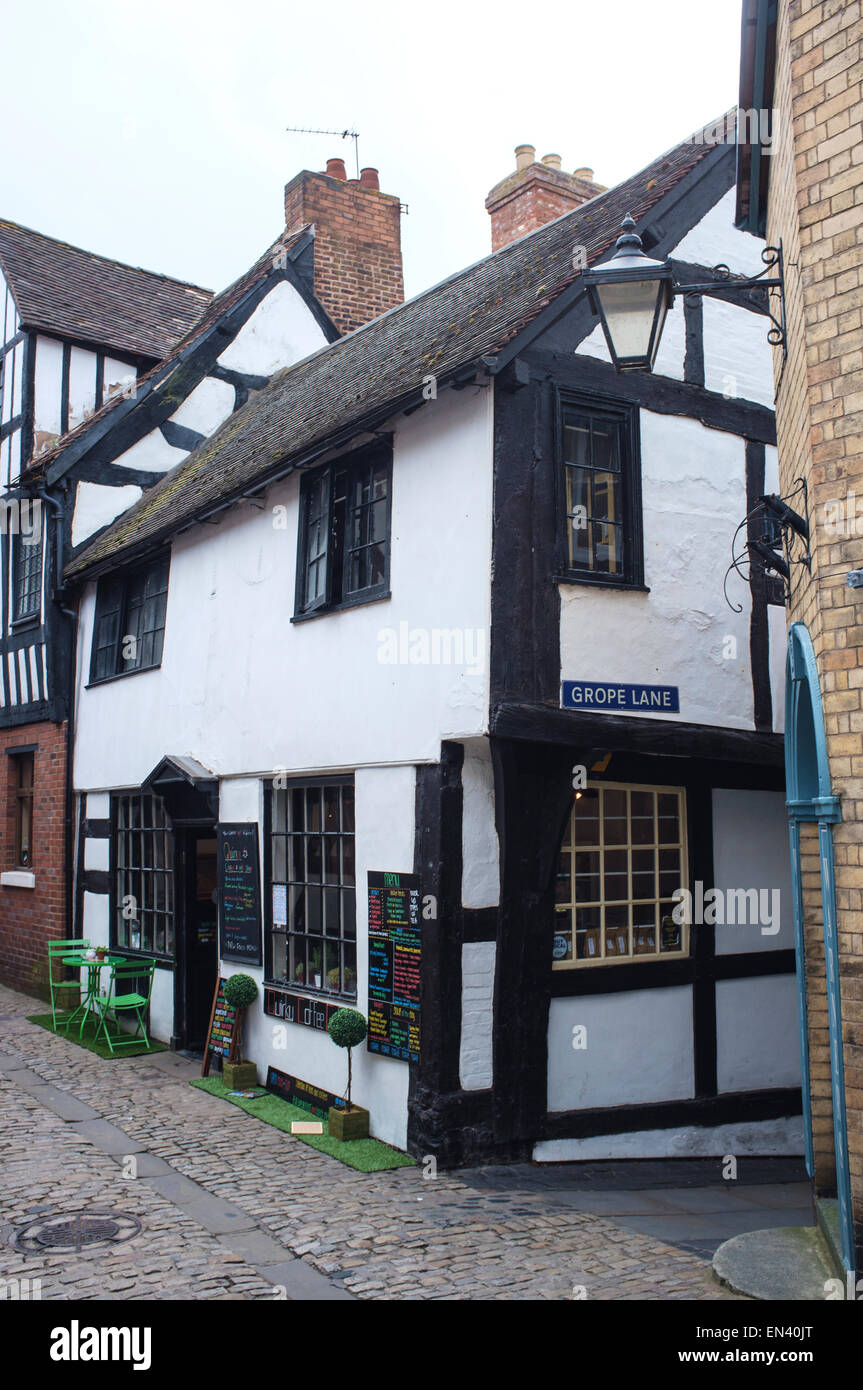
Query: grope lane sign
pixel 616 696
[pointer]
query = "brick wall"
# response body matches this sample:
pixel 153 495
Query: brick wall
pixel 816 207
pixel 30 917
pixel 358 257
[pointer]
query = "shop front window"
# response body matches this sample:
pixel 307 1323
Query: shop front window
pixel 312 929
pixel 622 859
pixel 143 876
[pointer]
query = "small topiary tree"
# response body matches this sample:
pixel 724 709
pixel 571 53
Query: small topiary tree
pixel 347 1028
pixel 240 992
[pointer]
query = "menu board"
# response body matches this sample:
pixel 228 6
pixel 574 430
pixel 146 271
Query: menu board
pixel 239 893
pixel 395 947
pixel 223 1028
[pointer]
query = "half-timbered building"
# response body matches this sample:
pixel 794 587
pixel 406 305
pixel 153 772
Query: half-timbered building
pixel 444 598
pixel 76 330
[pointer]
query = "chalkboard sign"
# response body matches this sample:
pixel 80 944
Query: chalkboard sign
pixel 239 893
pixel 394 965
pixel 222 1033
pixel 302 1093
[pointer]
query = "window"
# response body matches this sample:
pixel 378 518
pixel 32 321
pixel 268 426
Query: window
pixel 313 936
pixel 622 858
pixel 27 577
pixel 143 875
pixel 601 494
pixel 22 782
pixel 130 621
pixel 344 546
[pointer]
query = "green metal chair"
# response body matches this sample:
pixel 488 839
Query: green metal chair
pixel 56 949
pixel 124 997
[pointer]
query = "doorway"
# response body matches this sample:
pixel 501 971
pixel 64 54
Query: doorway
pixel 200 934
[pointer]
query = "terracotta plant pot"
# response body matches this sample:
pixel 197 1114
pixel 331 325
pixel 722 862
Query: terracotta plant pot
pixel 348 1124
pixel 239 1076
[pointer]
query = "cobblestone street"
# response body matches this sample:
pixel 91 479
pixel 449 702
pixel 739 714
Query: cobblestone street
pixel 230 1208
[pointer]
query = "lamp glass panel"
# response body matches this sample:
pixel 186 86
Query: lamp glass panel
pixel 630 312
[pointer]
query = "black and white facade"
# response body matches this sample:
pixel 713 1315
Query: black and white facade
pixel 355 604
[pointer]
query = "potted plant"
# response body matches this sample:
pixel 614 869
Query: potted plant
pixel 347 1028
pixel 333 977
pixel 316 967
pixel 240 991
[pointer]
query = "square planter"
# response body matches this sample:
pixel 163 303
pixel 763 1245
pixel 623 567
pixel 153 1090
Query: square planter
pixel 239 1076
pixel 348 1124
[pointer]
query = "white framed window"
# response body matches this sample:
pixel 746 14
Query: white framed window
pixel 623 855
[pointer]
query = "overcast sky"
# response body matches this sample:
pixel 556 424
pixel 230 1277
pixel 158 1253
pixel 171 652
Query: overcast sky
pixel 155 133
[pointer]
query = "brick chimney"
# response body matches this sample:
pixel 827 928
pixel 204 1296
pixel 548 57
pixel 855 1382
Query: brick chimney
pixel 536 193
pixel 358 254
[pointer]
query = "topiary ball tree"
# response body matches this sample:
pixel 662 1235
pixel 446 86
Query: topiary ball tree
pixel 240 991
pixel 347 1028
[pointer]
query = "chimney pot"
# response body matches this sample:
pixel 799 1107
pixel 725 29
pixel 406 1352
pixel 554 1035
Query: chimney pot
pixel 525 155
pixel 369 179
pixel 336 169
pixel 529 199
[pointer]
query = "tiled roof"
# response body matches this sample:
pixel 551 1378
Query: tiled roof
pixel 217 307
pixel 76 294
pixel 472 314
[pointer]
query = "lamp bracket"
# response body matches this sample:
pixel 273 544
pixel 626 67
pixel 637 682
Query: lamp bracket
pixel 773 260
pixel 773 529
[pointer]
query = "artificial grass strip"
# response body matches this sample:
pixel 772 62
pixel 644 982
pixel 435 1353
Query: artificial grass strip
pixel 87 1039
pixel 366 1155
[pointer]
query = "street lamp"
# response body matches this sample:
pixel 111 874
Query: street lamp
pixel 632 295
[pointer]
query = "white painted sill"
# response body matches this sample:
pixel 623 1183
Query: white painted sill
pixel 17 878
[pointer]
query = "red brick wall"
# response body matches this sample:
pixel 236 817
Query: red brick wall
pixel 31 917
pixel 358 250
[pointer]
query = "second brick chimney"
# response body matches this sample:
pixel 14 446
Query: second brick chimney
pixel 358 252
pixel 536 193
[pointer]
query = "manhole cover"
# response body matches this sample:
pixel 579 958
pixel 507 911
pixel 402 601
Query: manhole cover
pixel 76 1230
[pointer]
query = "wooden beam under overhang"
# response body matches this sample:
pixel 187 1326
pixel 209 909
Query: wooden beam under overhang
pixel 619 733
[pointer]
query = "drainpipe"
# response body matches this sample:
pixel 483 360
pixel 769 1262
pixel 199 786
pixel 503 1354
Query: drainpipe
pixel 57 597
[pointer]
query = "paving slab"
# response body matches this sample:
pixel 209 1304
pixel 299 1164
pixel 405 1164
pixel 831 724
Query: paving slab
pixel 301 1282
pixel 213 1213
pixel 109 1138
pixel 61 1103
pixel 146 1165
pixel 714 1226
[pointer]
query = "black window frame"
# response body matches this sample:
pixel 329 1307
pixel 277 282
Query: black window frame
pixel 117 596
pixel 21 795
pixel 320 494
pixel 21 551
pixel 626 416
pixel 273 935
pixel 168 870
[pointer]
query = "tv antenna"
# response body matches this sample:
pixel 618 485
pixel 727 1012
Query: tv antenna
pixel 343 134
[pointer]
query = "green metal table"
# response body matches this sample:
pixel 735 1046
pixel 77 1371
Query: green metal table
pixel 93 968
